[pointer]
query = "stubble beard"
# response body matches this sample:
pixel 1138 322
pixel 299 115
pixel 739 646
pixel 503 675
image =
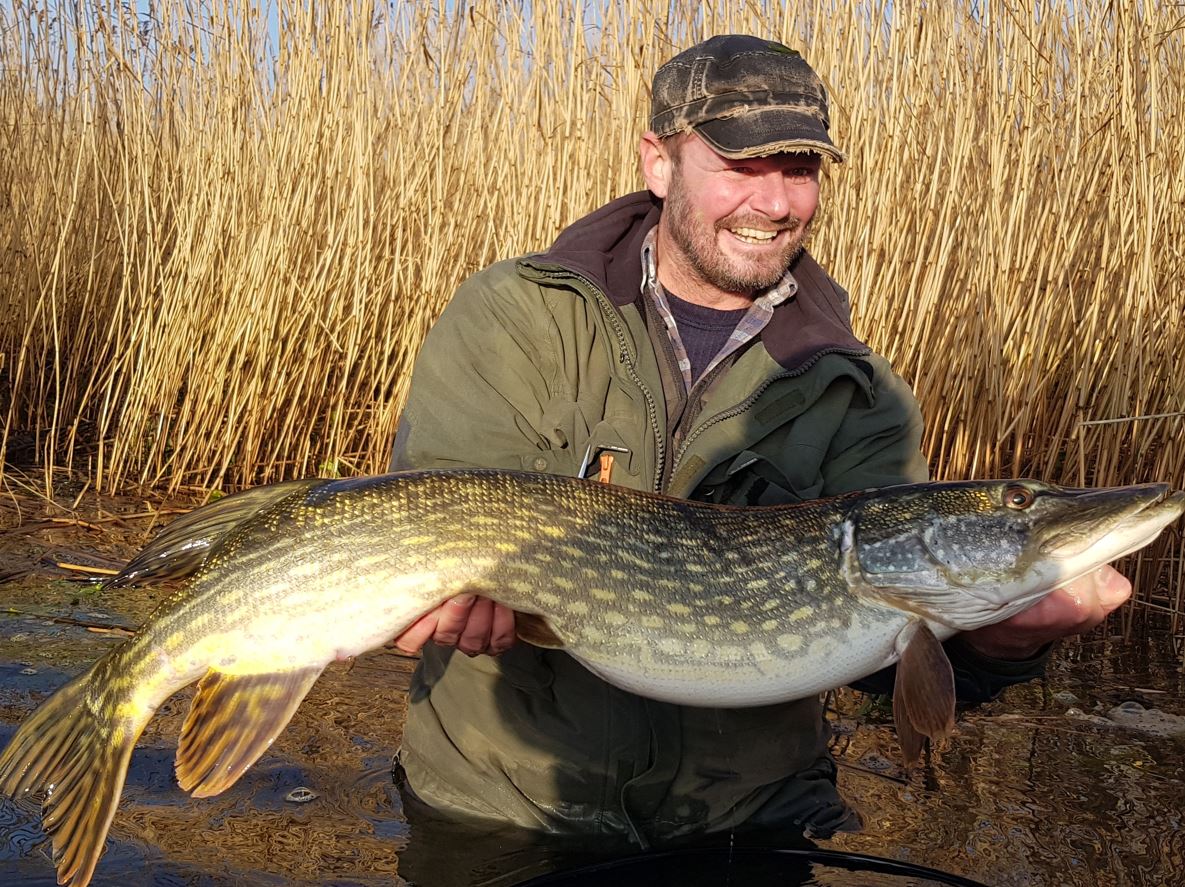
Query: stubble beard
pixel 697 240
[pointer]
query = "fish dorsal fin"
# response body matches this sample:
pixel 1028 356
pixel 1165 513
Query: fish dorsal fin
pixel 924 693
pixel 182 546
pixel 232 721
pixel 536 630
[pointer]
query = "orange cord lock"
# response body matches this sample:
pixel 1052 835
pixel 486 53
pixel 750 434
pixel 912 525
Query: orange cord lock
pixel 606 468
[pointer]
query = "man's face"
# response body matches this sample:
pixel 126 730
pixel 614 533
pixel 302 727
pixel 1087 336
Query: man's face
pixel 738 224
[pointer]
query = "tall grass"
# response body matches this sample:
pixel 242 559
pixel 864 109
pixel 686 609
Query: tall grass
pixel 225 227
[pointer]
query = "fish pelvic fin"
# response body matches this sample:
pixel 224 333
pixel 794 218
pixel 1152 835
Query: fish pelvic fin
pixel 232 721
pixel 75 747
pixel 924 691
pixel 538 631
pixel 181 548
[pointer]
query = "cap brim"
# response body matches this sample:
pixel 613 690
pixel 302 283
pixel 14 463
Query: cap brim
pixel 761 132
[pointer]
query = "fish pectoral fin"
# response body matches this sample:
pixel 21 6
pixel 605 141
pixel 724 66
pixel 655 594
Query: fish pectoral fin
pixel 924 693
pixel 536 630
pixel 232 721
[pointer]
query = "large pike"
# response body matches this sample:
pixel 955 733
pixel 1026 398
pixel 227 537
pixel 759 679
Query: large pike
pixel 685 602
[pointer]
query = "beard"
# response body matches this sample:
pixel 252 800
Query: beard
pixel 697 240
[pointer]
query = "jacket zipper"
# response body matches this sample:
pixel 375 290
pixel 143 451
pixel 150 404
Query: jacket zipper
pixel 611 315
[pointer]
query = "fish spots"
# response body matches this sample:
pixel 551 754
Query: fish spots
pixel 803 612
pixel 770 604
pixel 651 622
pixel 612 617
pixel 769 624
pixel 758 650
pixel 563 584
pixel 791 643
pixel 312 568
pixel 619 575
pixel 687 627
pixel 551 530
pixel 603 594
pixel 757 584
pixel 634 560
pixel 548 599
pixel 693 567
pixel 578 608
pixel 711 620
pixel 700 649
pixel 452 545
pixel 740 626
pixel 671 646
pixel 679 609
pixel 643 596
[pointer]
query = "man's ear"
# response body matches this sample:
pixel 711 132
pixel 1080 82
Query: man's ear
pixel 657 164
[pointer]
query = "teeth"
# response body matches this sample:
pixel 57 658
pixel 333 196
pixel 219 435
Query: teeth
pixel 753 235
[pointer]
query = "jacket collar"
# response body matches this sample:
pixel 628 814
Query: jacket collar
pixel 606 247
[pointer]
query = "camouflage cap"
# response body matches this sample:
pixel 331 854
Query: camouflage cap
pixel 745 96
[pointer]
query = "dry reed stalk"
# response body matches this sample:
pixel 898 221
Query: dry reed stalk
pixel 227 227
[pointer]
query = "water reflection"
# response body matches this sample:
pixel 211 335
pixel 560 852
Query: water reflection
pixel 1028 792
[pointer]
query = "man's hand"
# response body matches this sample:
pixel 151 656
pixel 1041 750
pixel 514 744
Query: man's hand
pixel 470 623
pixel 1073 609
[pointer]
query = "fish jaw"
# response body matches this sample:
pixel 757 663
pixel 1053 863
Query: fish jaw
pixel 967 558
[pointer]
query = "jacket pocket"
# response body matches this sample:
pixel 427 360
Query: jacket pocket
pixel 754 479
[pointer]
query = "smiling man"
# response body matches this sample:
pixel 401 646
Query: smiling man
pixel 687 332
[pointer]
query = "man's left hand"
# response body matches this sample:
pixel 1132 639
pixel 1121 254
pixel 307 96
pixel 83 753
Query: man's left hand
pixel 1075 608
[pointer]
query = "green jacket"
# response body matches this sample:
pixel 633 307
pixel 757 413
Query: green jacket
pixel 539 363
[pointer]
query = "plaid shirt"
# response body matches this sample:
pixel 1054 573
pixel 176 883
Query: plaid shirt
pixel 748 328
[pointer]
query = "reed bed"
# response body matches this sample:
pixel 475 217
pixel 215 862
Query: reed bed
pixel 225 227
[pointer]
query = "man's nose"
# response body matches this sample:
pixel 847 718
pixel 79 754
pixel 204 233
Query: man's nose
pixel 772 197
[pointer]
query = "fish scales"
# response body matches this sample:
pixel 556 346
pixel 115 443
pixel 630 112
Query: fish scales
pixel 595 604
pixel 687 602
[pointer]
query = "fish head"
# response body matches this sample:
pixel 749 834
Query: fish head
pixel 972 553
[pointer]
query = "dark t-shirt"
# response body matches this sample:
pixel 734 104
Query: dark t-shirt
pixel 703 330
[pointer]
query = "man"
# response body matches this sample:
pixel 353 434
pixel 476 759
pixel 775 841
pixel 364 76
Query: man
pixel 686 331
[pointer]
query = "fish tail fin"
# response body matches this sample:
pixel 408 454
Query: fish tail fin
pixel 75 748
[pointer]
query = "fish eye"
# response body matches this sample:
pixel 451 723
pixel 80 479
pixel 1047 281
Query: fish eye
pixel 1016 496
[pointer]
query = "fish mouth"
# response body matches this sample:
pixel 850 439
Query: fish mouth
pixel 1113 523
